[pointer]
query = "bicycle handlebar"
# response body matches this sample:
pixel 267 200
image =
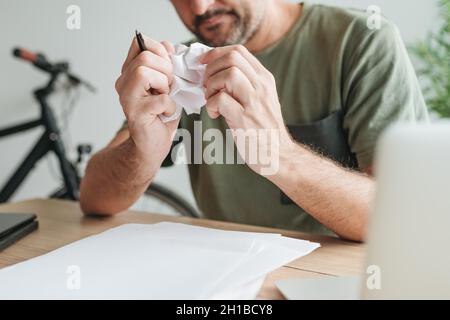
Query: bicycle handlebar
pixel 25 54
pixel 36 59
pixel 41 62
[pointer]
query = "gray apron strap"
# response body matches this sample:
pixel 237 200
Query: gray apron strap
pixel 326 137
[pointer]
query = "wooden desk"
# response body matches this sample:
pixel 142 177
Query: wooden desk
pixel 62 222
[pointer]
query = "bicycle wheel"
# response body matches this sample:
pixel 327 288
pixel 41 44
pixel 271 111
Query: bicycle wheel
pixel 157 198
pixel 160 199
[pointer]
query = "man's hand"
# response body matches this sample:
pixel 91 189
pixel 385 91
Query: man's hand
pixel 240 89
pixel 143 88
pixel 120 173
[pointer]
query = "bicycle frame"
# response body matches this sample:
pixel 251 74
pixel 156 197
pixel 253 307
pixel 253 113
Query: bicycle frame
pixel 49 141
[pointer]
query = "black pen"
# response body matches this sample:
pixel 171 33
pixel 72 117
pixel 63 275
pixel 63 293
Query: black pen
pixel 140 41
pixel 143 47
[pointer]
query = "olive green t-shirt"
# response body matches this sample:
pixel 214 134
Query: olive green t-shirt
pixel 330 61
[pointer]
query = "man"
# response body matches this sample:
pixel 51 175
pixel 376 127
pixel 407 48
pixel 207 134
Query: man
pixel 318 75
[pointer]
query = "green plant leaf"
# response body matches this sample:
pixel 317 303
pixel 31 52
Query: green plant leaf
pixel 434 56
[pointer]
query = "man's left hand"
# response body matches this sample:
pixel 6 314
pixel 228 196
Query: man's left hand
pixel 243 91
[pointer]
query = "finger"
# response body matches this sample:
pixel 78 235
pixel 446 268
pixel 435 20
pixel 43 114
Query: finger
pixel 150 60
pixel 212 109
pixel 234 82
pixel 164 105
pixel 172 126
pixel 216 53
pixel 224 104
pixel 150 106
pixel 139 83
pixel 152 46
pixel 229 60
pixel 169 47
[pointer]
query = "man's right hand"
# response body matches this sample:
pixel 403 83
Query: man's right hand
pixel 143 88
pixel 120 173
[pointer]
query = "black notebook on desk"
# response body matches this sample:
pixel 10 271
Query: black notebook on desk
pixel 15 226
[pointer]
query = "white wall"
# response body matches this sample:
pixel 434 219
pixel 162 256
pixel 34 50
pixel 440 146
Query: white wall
pixel 97 52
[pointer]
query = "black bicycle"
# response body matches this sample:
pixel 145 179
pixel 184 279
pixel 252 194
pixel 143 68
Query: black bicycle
pixel 157 196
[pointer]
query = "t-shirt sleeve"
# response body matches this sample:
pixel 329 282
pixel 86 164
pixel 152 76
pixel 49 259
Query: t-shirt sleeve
pixel 380 87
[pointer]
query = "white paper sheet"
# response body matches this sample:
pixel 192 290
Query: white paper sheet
pixel 161 261
pixel 187 89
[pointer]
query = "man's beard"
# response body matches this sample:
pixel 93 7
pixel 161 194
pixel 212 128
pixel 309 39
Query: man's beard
pixel 241 29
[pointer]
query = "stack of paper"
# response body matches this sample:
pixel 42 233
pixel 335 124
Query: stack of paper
pixel 161 261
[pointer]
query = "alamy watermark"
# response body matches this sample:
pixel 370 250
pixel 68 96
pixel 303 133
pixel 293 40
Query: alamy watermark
pixel 73 21
pixel 73 281
pixel 374 20
pixel 373 281
pixel 258 148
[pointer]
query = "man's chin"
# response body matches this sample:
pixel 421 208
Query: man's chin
pixel 217 40
pixel 218 36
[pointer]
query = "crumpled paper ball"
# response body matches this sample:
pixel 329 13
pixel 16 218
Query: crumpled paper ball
pixel 187 88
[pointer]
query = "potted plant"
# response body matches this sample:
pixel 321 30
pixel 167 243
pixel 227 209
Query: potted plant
pixel 434 56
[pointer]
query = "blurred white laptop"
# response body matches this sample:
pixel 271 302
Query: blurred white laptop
pixel 409 231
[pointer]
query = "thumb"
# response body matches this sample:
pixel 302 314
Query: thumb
pixel 172 126
pixel 169 47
